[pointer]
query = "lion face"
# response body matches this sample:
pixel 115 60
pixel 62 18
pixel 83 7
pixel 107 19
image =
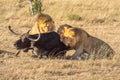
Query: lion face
pixel 44 23
pixel 64 30
pixel 67 35
pixel 45 26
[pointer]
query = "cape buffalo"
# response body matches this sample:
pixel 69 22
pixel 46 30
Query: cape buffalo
pixel 48 42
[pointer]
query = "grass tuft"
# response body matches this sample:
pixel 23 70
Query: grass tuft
pixel 74 17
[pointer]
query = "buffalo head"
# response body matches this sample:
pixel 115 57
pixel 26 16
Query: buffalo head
pixel 24 42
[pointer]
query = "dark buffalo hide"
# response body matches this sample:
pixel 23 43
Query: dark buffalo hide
pixel 48 44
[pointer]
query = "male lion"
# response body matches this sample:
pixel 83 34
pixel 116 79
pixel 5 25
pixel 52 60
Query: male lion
pixel 44 23
pixel 82 42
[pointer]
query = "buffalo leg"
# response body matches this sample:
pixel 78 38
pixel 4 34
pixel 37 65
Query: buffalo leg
pixel 17 53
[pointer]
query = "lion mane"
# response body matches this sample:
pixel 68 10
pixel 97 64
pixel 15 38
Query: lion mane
pixel 83 43
pixel 44 23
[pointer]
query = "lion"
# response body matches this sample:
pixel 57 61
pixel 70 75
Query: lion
pixel 83 43
pixel 44 23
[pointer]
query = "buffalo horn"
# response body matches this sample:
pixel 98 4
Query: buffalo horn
pixel 34 39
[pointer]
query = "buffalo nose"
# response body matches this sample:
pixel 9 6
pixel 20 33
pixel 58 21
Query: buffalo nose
pixel 15 44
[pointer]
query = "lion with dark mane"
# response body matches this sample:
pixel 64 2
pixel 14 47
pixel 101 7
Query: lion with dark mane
pixel 83 43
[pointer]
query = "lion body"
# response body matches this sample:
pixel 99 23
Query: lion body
pixel 82 42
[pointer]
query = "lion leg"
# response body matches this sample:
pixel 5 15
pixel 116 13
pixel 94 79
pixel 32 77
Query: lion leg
pixel 77 54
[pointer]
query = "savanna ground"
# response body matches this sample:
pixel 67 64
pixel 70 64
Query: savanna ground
pixel 100 18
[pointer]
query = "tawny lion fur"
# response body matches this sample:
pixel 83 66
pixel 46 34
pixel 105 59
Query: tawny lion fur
pixel 82 42
pixel 44 23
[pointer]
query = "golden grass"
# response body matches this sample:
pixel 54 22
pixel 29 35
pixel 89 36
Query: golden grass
pixel 100 18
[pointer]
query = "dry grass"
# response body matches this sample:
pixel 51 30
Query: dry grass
pixel 100 18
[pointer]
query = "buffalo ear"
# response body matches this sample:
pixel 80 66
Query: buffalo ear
pixel 24 36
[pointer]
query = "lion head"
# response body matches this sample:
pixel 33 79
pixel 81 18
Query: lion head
pixel 44 23
pixel 67 35
pixel 71 36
